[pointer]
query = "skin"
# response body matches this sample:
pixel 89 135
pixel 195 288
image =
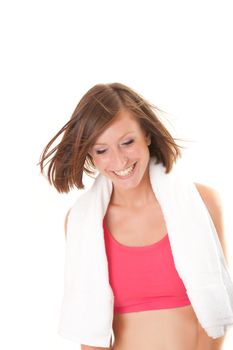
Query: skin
pixel 120 146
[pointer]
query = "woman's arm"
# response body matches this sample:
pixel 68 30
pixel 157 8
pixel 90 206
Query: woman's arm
pixel 213 203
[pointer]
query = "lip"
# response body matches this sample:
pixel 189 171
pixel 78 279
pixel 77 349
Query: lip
pixel 128 176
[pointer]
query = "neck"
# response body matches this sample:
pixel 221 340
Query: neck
pixel 135 197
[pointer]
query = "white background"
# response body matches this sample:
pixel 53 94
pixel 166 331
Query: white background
pixel 177 54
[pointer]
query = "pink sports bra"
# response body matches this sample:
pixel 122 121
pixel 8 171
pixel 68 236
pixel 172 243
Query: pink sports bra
pixel 143 278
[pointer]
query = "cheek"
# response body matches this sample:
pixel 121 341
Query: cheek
pixel 100 163
pixel 138 150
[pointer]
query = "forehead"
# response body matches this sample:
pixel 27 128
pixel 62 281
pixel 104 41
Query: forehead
pixel 125 122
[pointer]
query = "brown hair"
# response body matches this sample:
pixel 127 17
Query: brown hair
pixel 94 113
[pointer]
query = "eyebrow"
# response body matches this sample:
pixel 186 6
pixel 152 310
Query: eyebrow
pixel 102 143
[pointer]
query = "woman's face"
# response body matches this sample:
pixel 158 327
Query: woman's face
pixel 121 152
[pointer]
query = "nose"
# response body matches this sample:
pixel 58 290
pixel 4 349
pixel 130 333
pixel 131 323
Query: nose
pixel 119 160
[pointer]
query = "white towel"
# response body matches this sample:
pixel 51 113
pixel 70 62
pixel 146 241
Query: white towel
pixel 87 306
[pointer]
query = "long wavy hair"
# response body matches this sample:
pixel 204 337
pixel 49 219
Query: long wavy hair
pixel 97 109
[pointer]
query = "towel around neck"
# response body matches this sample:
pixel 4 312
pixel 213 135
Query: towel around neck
pixel 87 306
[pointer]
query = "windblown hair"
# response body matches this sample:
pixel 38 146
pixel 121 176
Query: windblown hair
pixel 96 110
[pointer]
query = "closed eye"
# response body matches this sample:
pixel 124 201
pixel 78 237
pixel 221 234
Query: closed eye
pixel 128 142
pixel 100 151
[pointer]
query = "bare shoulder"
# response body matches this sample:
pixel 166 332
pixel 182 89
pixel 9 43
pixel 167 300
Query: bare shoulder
pixel 210 196
pixel 213 202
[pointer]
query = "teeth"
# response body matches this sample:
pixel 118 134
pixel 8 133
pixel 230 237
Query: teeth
pixel 125 172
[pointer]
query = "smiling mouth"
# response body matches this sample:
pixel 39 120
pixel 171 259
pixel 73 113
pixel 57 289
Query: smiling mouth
pixel 125 172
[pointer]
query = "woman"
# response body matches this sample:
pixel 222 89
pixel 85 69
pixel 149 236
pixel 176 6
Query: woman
pixel 117 132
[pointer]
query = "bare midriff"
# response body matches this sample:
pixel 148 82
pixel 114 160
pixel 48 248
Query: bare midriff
pixel 164 329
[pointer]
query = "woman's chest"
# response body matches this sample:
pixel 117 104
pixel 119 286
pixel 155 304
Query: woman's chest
pixel 138 227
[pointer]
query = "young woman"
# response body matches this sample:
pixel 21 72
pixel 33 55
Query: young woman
pixel 117 133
